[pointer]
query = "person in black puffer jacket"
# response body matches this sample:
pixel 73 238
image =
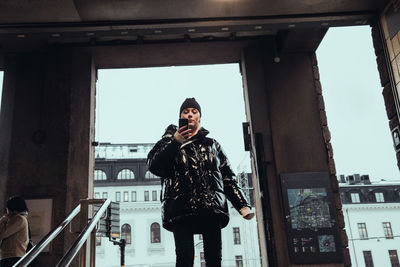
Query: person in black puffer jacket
pixel 196 181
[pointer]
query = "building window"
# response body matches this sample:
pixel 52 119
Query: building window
pixel 355 197
pixel 368 259
pixel 202 260
pixel 239 261
pixel 126 196
pixel 126 233
pixel 97 195
pixel 98 240
pixel 118 196
pixel 126 174
pixel 133 196
pixel 387 230
pixel 105 195
pixel 394 259
pixel 362 231
pixel 154 195
pixel 236 235
pixel 150 175
pixel 200 237
pixel 379 197
pixel 155 235
pixel 146 195
pixel 100 175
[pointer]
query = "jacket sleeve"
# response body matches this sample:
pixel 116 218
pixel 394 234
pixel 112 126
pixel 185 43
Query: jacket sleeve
pixel 161 156
pixel 231 188
pixel 10 226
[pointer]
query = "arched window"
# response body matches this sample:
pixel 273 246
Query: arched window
pixel 150 175
pixel 155 235
pixel 126 174
pixel 100 175
pixel 126 233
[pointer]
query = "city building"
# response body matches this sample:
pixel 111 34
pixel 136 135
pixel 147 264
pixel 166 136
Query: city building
pixel 372 218
pixel 121 174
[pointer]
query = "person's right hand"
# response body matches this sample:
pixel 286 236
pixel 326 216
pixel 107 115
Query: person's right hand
pixel 185 133
pixel 182 135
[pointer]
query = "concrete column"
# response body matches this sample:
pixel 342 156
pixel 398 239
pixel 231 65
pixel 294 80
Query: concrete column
pixel 284 107
pixel 386 39
pixel 47 127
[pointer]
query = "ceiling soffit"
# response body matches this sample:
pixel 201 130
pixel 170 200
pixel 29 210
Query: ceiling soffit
pixel 134 32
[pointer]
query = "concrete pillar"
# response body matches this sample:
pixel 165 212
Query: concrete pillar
pixel 284 106
pixel 47 123
pixel 386 39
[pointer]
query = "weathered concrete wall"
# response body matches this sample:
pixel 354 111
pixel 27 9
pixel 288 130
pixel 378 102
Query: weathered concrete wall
pixel 284 103
pixel 49 129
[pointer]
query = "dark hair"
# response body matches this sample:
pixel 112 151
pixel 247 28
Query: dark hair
pixel 16 203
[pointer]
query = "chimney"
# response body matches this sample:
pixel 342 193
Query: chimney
pixel 350 179
pixel 357 178
pixel 365 179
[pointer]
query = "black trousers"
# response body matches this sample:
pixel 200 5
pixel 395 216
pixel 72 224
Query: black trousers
pixel 184 244
pixel 9 262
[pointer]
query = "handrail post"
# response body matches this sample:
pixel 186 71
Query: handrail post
pixel 83 236
pixel 93 248
pixel 84 215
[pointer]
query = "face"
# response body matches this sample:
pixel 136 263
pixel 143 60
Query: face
pixel 193 115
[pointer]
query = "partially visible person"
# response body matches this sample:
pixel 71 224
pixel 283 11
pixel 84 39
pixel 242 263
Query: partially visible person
pixel 14 233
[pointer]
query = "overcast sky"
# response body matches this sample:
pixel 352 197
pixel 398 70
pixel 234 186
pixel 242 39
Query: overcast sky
pixel 136 105
pixel 357 119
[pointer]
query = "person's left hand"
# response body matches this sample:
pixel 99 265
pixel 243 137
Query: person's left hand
pixel 247 213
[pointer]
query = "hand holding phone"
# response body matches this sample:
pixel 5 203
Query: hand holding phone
pixel 184 128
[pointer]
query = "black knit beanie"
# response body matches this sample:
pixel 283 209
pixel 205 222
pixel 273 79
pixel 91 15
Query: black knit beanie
pixel 190 103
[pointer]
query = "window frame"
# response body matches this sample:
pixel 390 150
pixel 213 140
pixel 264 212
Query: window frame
pixel 128 232
pixel 118 196
pixel 155 231
pixel 99 175
pixel 98 241
pixel 154 195
pixel 133 196
pixel 125 196
pixel 387 230
pixel 368 260
pixel 355 197
pixel 146 195
pixel 393 257
pixel 150 175
pixel 236 235
pixel 126 174
pixel 381 197
pixel 362 231
pixel 238 260
pixel 202 259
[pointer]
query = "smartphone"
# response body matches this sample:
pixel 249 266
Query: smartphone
pixel 184 122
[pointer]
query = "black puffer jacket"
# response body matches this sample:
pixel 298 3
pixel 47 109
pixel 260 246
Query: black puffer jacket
pixel 196 178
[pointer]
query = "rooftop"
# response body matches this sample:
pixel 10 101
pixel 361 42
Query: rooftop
pixel 357 180
pixel 122 151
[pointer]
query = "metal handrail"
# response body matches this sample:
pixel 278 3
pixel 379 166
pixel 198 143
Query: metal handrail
pixel 32 254
pixel 70 255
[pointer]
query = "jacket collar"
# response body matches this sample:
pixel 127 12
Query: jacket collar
pixel 201 133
